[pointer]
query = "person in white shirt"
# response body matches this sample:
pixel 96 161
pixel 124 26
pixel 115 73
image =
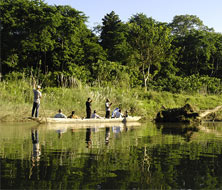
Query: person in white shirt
pixel 114 112
pixel 107 106
pixel 119 114
pixel 60 114
pixel 36 103
pixel 95 115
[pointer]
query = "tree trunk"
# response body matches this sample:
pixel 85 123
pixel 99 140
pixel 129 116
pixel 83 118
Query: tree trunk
pixel 146 77
pixel 208 112
pixel 145 85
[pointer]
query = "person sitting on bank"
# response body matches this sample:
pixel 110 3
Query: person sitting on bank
pixel 73 116
pixel 95 115
pixel 60 114
pixel 119 114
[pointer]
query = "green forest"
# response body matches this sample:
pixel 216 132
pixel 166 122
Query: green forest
pixel 54 45
pixel 142 65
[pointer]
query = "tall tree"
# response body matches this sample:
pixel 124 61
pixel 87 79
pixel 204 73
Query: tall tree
pixel 183 24
pixel 196 52
pixel 195 42
pixel 216 57
pixel 149 41
pixel 113 37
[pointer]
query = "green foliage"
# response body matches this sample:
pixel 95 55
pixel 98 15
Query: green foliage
pixel 48 39
pixel 190 84
pixel 109 73
pixel 216 56
pixel 53 45
pixel 183 24
pixel 114 38
pixel 150 41
pixel 196 54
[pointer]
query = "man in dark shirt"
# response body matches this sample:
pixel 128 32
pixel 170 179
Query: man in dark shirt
pixel 107 105
pixel 88 108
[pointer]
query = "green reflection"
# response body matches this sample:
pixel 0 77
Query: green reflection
pixel 110 157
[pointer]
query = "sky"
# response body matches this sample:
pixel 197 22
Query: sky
pixel 209 11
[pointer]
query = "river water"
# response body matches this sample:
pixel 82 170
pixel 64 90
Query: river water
pixel 146 156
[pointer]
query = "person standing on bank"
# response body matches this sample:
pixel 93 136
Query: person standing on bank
pixel 36 103
pixel 108 105
pixel 88 108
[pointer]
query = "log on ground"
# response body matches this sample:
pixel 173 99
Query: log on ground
pixel 183 114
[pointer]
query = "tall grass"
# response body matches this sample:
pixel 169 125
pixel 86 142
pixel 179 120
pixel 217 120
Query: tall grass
pixel 16 99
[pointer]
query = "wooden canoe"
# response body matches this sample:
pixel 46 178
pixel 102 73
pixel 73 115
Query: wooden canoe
pixel 86 121
pixel 94 126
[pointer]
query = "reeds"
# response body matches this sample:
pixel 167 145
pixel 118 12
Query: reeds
pixel 16 99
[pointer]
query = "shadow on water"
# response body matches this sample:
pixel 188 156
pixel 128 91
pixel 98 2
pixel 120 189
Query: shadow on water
pixel 182 129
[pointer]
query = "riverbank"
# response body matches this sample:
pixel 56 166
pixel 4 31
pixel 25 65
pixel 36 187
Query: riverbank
pixel 16 100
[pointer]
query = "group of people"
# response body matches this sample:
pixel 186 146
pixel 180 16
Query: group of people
pixel 115 114
pixel 61 115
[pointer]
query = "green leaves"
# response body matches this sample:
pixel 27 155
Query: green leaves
pixel 183 24
pixel 114 38
pixel 149 41
pixel 54 41
pixel 56 36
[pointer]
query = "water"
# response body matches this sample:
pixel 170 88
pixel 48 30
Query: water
pixel 147 156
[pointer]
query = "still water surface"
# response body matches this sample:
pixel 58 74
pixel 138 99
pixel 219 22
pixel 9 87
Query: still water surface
pixel 147 156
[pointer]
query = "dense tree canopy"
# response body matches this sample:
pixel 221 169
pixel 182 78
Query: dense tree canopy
pixel 51 40
pixel 54 45
pixel 183 24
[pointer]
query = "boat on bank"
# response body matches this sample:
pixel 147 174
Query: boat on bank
pixel 93 126
pixel 86 121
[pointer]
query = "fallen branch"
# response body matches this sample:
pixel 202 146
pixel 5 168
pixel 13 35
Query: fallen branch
pixel 184 114
pixel 208 112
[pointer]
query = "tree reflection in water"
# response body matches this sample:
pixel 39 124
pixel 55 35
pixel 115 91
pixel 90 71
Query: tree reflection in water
pixel 146 157
pixel 183 129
